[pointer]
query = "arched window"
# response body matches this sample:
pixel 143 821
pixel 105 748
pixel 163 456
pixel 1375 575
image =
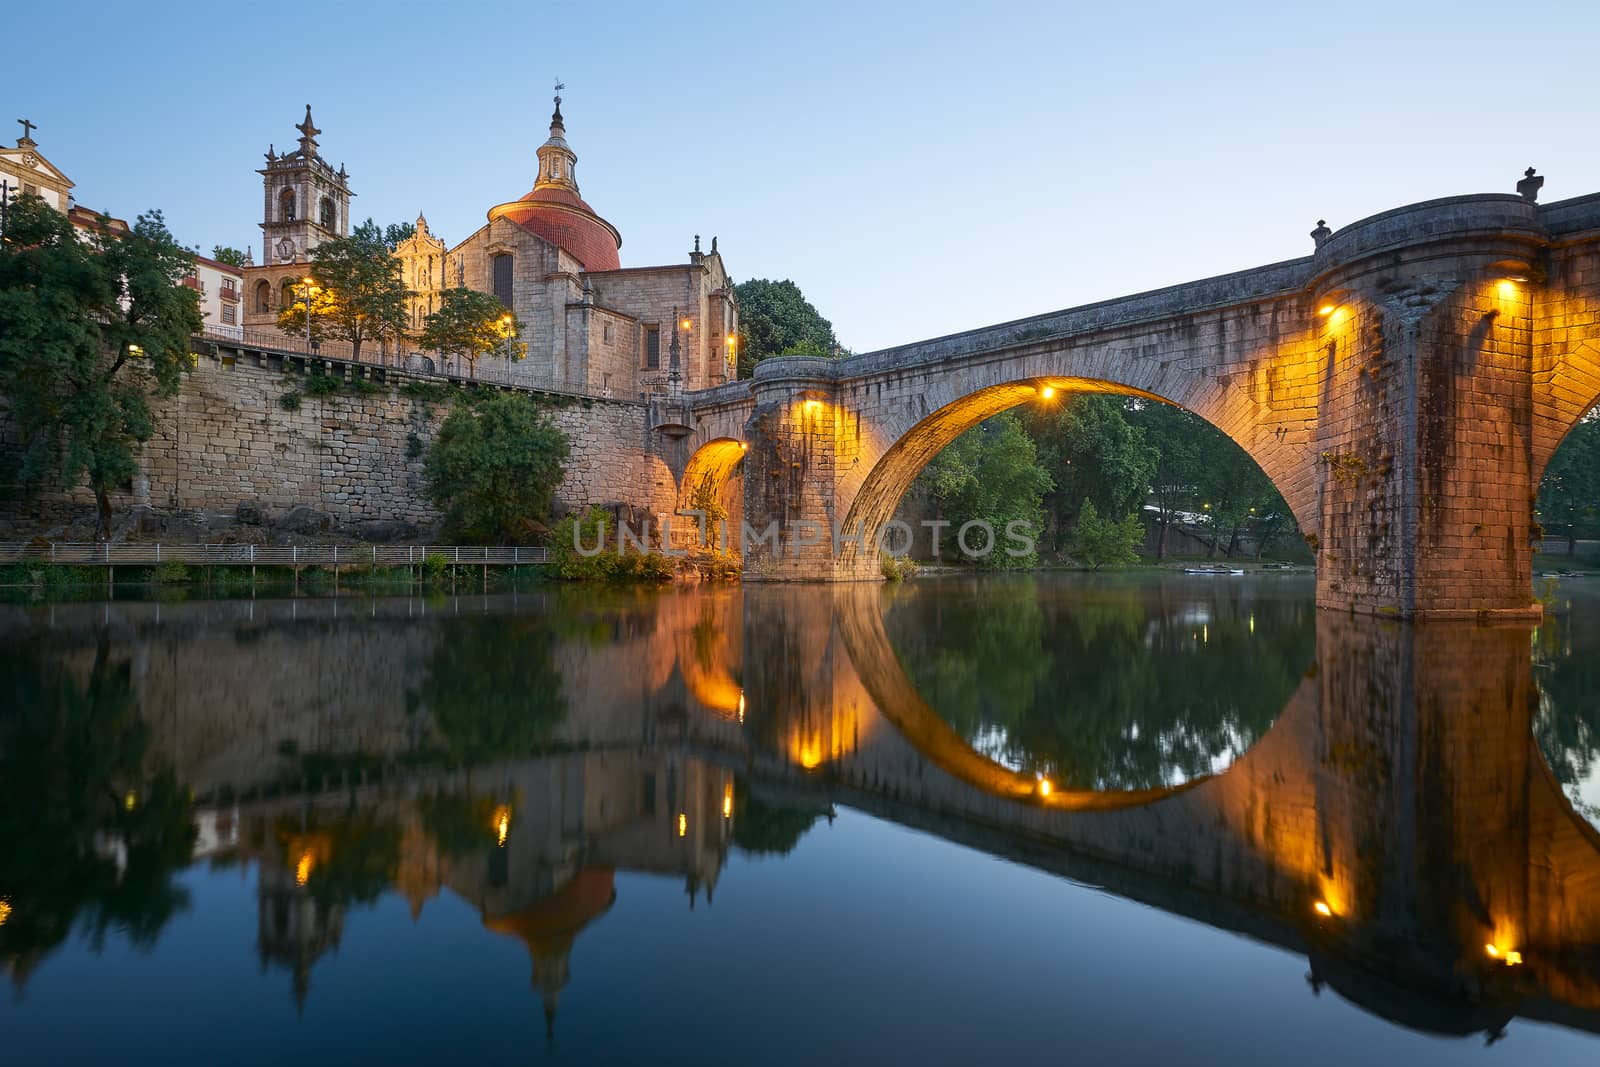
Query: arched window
pixel 327 213
pixel 286 205
pixel 263 297
pixel 286 293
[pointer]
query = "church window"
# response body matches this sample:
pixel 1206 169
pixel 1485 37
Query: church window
pixel 327 213
pixel 287 290
pixel 263 297
pixel 652 348
pixel 605 333
pixel 503 289
pixel 29 189
pixel 286 205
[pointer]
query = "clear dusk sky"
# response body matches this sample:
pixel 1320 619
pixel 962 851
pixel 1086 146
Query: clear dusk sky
pixel 917 168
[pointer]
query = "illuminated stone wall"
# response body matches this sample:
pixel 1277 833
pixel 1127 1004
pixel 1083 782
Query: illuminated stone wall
pixel 226 440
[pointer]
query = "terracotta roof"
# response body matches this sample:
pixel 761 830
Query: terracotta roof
pixel 563 218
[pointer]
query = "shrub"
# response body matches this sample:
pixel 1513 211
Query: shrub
pixel 493 466
pixel 1097 541
pixel 319 384
pixel 170 573
pixel 898 568
pixel 594 527
pixel 289 401
pixel 436 567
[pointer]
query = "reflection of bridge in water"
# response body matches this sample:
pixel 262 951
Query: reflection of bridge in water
pixel 1397 825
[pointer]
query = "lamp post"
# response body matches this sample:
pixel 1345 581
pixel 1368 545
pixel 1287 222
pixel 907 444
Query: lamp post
pixel 732 371
pixel 308 289
pixel 505 334
pixel 5 203
pixel 680 324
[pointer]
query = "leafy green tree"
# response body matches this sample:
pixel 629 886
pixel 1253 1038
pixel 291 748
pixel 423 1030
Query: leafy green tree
pixel 990 474
pixel 227 254
pixel 362 297
pixel 1092 452
pixel 89 332
pixel 396 232
pixel 493 468
pixel 1174 434
pixel 1098 541
pixel 776 319
pixel 1569 493
pixel 471 324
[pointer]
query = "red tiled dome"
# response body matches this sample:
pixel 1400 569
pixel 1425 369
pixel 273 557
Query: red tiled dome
pixel 561 217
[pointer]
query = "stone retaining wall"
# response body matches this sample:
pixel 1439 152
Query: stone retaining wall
pixel 226 439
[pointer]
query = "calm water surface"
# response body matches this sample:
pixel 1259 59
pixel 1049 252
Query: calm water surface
pixel 1089 819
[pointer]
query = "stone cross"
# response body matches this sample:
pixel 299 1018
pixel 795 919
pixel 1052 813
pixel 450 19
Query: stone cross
pixel 27 129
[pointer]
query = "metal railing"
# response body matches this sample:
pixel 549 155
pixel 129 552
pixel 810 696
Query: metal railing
pixel 133 554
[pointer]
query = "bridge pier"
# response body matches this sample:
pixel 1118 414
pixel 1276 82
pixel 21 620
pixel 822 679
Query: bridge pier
pixel 1425 428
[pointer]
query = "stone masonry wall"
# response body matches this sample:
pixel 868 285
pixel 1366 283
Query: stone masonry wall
pixel 226 439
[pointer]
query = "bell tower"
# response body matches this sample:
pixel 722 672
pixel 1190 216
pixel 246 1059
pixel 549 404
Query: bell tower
pixel 304 200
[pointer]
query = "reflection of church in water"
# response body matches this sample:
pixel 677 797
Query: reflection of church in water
pixel 536 852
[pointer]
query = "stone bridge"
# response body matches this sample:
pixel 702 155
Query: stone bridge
pixel 1403 387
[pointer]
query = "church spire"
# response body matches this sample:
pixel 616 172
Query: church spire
pixel 557 160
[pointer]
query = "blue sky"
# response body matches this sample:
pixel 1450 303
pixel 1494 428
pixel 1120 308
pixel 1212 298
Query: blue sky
pixel 917 168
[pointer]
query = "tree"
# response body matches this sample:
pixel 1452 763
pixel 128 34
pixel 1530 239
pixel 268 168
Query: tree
pixel 989 474
pixel 363 297
pixel 396 232
pixel 89 331
pixel 1569 492
pixel 227 254
pixel 775 319
pixel 472 324
pixel 493 468
pixel 1092 452
pixel 1173 433
pixel 1098 541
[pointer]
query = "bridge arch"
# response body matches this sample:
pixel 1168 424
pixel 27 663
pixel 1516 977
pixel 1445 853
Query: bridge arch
pixel 717 467
pixel 899 443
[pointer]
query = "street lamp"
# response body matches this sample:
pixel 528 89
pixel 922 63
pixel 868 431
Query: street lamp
pixel 733 356
pixel 308 289
pixel 682 324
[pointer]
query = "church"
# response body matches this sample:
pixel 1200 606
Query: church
pixel 590 324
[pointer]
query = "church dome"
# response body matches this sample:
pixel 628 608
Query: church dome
pixel 555 212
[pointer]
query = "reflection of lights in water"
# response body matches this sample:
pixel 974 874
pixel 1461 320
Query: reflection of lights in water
pixel 1252 622
pixel 1045 787
pixel 1509 956
pixel 1322 908
pixel 302 869
pixel 5 911
pixel 683 824
pixel 727 801
pixel 502 824
pixel 130 801
pixel 741 705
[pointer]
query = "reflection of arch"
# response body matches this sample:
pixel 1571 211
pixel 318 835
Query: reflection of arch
pixel 910 442
pixel 709 651
pixel 860 615
pixel 264 296
pixel 718 464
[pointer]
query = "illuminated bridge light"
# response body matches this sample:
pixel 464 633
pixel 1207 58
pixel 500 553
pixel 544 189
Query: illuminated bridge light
pixel 1045 787
pixel 1508 956
pixel 1047 392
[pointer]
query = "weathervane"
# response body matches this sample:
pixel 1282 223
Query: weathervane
pixel 560 85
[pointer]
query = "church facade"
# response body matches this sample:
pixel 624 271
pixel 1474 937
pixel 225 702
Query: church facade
pixel 590 324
